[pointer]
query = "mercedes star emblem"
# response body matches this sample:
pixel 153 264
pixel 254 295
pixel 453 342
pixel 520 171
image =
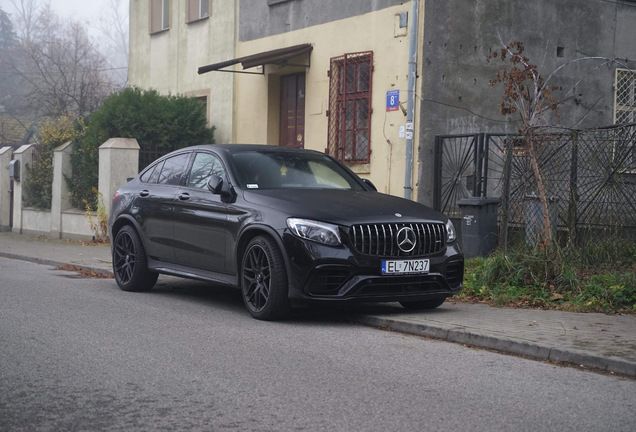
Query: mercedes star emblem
pixel 406 239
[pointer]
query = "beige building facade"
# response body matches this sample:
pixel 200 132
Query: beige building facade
pixel 345 95
pixel 169 40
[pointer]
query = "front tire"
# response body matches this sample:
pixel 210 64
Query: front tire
pixel 423 304
pixel 264 280
pixel 130 264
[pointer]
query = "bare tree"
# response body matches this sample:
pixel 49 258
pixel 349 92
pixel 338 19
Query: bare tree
pixel 529 95
pixel 60 69
pixel 27 17
pixel 114 28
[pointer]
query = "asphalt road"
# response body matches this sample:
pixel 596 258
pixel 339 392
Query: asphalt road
pixel 79 354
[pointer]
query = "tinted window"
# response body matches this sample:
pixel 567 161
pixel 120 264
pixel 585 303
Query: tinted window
pixel 205 164
pixel 173 169
pixel 145 177
pixel 281 170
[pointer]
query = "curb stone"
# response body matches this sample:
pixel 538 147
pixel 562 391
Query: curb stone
pixel 474 338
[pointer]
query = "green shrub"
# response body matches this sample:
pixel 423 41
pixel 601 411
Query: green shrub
pixel 164 123
pixel 599 276
pixel 39 179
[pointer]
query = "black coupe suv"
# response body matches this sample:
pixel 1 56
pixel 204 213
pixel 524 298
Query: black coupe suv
pixel 286 226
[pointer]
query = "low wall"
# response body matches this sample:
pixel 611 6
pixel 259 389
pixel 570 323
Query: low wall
pixel 118 161
pixel 35 221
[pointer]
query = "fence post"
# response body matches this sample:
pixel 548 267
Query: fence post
pixel 59 197
pixel 25 156
pixel 5 188
pixel 118 161
pixel 509 147
pixel 481 167
pixel 574 192
pixel 437 175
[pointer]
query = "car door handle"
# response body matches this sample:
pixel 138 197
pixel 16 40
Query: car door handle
pixel 144 193
pixel 184 196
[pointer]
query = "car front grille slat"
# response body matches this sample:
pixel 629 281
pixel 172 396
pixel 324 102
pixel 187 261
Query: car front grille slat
pixel 381 239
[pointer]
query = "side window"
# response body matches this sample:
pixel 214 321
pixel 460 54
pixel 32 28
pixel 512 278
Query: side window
pixel 205 164
pixel 173 169
pixel 145 177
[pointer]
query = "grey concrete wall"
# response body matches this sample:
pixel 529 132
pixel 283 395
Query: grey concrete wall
pixel 263 18
pixel 459 34
pixel 5 187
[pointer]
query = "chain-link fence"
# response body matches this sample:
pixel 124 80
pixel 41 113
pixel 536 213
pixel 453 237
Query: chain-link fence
pixel 589 184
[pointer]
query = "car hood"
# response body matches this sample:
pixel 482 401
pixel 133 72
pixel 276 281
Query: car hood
pixel 342 207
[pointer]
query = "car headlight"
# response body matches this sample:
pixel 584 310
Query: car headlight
pixel 451 234
pixel 320 232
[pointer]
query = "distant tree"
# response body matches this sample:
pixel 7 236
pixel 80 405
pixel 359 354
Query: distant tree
pixel 28 17
pixel 8 42
pixel 59 68
pixel 114 28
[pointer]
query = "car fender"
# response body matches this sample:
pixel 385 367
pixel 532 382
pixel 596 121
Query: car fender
pixel 252 231
pixel 125 219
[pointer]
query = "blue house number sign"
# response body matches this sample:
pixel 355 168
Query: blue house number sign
pixel 393 100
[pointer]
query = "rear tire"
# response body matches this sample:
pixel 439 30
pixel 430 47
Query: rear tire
pixel 130 264
pixel 264 280
pixel 423 304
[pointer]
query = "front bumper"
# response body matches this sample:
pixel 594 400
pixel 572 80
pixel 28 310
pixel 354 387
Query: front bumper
pixel 322 273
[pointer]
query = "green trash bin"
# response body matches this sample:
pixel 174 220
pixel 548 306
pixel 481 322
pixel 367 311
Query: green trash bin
pixel 479 230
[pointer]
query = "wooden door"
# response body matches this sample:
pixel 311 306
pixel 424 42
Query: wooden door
pixel 292 111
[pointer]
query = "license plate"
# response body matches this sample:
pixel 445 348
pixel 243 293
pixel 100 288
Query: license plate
pixel 417 266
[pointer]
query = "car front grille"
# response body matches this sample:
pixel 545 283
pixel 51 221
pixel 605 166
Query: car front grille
pixel 382 239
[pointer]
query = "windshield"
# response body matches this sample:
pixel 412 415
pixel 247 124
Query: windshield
pixel 281 170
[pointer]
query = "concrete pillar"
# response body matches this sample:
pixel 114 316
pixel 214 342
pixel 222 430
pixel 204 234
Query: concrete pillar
pixel 25 155
pixel 118 161
pixel 60 197
pixel 5 188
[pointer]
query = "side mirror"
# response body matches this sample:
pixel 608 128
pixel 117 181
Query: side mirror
pixel 215 184
pixel 369 184
pixel 218 186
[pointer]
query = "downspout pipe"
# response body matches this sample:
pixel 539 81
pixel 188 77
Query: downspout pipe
pixel 410 102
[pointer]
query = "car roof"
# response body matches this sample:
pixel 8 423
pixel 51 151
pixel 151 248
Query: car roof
pixel 235 148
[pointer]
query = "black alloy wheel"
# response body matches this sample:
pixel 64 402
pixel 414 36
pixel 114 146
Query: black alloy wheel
pixel 423 304
pixel 130 264
pixel 264 280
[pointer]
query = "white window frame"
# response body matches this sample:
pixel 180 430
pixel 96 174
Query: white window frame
pixel 200 6
pixel 624 90
pixel 159 16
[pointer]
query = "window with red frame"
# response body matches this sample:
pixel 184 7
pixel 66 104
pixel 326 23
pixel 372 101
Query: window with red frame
pixel 350 107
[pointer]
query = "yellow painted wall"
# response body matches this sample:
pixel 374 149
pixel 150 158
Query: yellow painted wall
pixel 168 61
pixel 256 96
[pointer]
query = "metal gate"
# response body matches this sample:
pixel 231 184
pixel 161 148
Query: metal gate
pixel 469 165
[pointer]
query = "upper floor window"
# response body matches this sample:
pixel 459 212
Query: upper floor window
pixel 198 9
pixel 350 107
pixel 159 15
pixel 625 96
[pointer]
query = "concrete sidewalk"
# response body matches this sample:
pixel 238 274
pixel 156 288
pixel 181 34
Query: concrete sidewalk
pixel 604 342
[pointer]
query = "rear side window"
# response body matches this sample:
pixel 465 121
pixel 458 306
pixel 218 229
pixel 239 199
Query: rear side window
pixel 145 177
pixel 173 170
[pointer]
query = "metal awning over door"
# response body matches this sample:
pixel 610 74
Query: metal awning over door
pixel 277 56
